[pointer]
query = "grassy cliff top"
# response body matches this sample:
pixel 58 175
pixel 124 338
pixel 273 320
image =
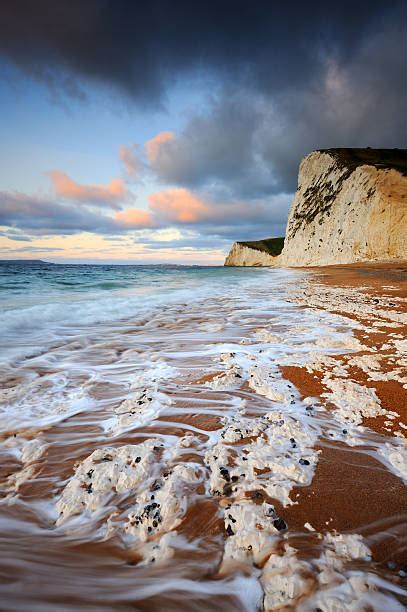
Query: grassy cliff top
pixel 379 158
pixel 272 246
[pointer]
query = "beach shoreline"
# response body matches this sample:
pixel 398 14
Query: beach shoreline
pixel 254 439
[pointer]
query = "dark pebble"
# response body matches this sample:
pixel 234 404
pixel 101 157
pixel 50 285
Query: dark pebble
pixel 227 489
pixel 279 524
pixel 230 531
pixel 225 474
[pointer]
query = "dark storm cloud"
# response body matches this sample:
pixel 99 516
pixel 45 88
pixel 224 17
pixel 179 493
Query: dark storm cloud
pixel 217 150
pixel 141 47
pixel 250 143
pixel 290 78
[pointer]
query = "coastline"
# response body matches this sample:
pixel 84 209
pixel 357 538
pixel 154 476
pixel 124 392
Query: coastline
pixel 238 428
pixel 351 490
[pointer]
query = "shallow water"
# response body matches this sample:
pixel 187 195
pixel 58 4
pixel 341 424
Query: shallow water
pixel 109 356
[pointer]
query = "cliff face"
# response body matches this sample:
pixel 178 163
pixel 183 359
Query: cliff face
pixel 257 253
pixel 351 205
pixel 240 255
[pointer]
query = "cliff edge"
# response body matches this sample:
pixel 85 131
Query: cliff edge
pixel 256 253
pixel 350 206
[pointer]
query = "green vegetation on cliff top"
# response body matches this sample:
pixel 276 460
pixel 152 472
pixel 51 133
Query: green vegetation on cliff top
pixel 272 246
pixel 379 158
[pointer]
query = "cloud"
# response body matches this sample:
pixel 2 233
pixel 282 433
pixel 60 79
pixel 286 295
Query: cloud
pixel 178 205
pixel 156 147
pixel 168 213
pixel 184 208
pixel 216 150
pixel 248 144
pixel 139 48
pixel 175 238
pixel 31 249
pixel 131 160
pixel 16 235
pixel 134 218
pixel 103 195
pixel 168 234
pixel 282 79
pixel 42 216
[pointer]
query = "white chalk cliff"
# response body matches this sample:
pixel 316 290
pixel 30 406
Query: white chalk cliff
pixel 241 255
pixel 350 206
pixel 258 253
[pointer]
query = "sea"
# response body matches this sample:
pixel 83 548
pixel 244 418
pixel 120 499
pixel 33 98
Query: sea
pixel 107 359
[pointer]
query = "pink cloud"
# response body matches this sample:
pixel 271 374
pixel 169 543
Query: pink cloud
pixel 168 206
pixel 154 145
pixel 178 205
pixel 134 218
pixel 130 160
pixel 105 195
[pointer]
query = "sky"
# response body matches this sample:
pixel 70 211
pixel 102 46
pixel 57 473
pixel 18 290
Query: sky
pixel 162 131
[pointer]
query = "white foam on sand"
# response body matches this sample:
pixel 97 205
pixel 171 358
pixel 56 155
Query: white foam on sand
pixel 394 454
pixel 106 473
pixel 41 402
pixel 161 494
pixel 144 402
pixel 281 448
pixel 28 453
pixel 251 532
pixel 329 583
pixel 159 511
pixel 230 376
pixel 353 401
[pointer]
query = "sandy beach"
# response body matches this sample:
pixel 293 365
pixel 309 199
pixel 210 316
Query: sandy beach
pixel 203 306
pixel 243 452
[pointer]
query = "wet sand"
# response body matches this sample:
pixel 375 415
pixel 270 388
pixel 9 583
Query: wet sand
pixel 352 491
pixel 236 378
